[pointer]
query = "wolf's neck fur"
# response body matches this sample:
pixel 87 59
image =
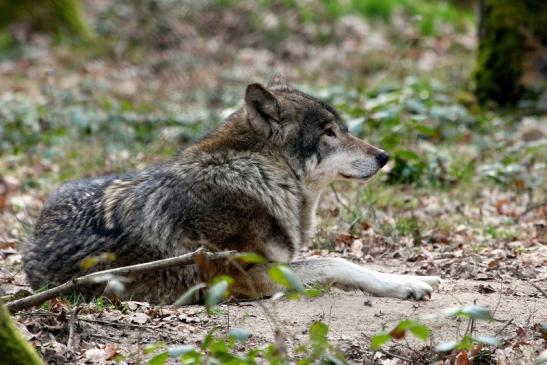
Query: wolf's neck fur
pixel 235 137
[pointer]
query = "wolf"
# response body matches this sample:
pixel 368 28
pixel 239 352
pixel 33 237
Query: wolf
pixel 251 185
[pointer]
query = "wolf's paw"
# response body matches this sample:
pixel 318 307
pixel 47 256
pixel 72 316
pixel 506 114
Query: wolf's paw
pixel 415 289
pixel 410 287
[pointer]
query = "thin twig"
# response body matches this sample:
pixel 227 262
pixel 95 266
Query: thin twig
pixel 121 324
pixel 539 289
pixel 407 359
pixel 70 344
pixel 504 327
pixel 98 276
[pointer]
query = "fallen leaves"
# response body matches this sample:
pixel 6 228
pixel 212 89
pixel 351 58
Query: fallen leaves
pixel 356 248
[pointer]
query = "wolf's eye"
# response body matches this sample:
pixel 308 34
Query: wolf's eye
pixel 329 132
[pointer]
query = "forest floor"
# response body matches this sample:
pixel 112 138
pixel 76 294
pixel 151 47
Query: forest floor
pixel 463 196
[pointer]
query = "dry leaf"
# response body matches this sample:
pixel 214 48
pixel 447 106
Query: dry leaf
pixel 96 355
pixel 139 318
pixel 357 248
pixel 462 359
pixel 111 350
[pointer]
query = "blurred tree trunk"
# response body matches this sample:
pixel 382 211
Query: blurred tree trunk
pixel 506 30
pixel 54 16
pixel 14 349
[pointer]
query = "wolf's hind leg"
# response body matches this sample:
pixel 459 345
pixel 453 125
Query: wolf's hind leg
pixel 345 274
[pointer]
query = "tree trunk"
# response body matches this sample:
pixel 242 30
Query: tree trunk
pixel 54 16
pixel 505 29
pixel 14 349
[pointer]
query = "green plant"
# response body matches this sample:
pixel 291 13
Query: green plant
pixel 223 350
pixel 409 226
pixel 218 349
pixel 404 327
pixel 468 341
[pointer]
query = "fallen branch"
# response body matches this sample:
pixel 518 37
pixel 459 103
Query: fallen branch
pixel 98 276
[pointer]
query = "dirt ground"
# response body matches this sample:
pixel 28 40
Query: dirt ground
pixel 102 332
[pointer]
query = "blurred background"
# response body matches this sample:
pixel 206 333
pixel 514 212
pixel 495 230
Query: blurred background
pixel 453 90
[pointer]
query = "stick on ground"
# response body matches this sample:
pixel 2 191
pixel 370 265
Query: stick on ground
pixel 93 278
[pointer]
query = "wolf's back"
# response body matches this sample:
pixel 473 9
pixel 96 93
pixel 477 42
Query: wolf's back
pixel 70 228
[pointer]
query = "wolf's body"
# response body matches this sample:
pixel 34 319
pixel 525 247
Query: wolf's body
pixel 251 185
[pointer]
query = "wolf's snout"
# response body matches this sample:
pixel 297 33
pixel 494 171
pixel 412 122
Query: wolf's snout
pixel 382 159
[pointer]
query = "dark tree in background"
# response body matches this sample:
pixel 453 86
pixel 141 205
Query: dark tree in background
pixel 54 16
pixel 512 36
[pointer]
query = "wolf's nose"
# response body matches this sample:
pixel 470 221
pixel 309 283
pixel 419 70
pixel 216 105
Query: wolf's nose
pixel 382 159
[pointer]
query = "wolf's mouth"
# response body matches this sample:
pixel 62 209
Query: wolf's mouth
pixel 354 177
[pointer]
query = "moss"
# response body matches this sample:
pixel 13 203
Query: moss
pixel 58 16
pixel 13 347
pixel 502 40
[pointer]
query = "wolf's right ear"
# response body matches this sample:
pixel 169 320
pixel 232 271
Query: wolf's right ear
pixel 263 109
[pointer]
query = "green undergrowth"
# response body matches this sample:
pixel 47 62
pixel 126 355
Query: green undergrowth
pixel 434 139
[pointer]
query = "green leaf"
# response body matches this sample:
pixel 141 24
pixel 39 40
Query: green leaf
pixel 466 343
pixel 378 340
pixel 176 351
pixel 469 311
pixel 189 295
pixel 488 340
pixel 239 334
pixel 217 291
pixel 417 329
pixel 159 359
pixel 318 332
pixel 208 340
pixel 251 257
pixel 421 331
pixel 446 346
pixel 313 293
pixel 477 312
pixel 406 324
pixel 148 349
pixel 281 274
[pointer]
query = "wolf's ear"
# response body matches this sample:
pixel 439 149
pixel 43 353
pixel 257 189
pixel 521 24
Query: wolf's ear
pixel 278 81
pixel 262 109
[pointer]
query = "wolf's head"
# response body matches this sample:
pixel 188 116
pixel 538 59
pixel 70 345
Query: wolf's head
pixel 310 133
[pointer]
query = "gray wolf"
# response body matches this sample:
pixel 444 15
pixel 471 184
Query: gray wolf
pixel 251 185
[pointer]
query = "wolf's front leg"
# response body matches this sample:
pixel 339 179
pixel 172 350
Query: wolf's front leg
pixel 343 273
